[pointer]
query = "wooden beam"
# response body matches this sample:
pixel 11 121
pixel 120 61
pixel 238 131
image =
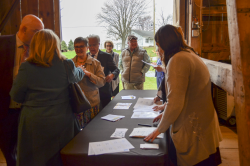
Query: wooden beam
pixel 239 37
pixel 57 16
pixel 220 74
pixel 182 16
pixel 5 19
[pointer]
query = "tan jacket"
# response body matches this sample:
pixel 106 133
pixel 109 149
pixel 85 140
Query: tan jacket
pixel 132 67
pixel 189 109
pixel 90 86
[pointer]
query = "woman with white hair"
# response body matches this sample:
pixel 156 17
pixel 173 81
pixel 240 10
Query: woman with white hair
pixel 109 45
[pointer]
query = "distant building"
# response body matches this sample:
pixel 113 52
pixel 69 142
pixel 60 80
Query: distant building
pixel 145 39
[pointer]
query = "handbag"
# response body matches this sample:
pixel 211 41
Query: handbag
pixel 78 101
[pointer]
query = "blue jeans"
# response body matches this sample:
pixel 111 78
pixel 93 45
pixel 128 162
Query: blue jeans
pixel 158 80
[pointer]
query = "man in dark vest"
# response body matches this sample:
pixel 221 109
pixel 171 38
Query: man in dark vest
pixel 14 49
pixel 132 68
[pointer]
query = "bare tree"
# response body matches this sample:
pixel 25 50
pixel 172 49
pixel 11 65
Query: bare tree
pixel 165 20
pixel 120 16
pixel 145 23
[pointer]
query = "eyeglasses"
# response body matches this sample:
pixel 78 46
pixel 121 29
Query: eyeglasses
pixel 82 46
pixel 93 45
pixel 108 45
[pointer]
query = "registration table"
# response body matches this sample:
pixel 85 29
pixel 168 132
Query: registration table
pixel 75 153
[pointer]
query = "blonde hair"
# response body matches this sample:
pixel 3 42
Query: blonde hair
pixel 44 45
pixel 109 41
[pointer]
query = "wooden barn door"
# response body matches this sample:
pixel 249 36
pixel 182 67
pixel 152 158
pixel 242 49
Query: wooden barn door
pixel 12 12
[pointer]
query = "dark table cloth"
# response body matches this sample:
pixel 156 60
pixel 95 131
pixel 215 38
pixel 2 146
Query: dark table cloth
pixel 76 151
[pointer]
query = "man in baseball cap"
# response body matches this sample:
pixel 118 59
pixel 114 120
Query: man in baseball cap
pixel 130 37
pixel 131 65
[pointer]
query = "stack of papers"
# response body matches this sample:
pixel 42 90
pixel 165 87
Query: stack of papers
pixel 142 102
pixel 122 106
pixel 112 118
pixel 142 132
pixel 129 97
pixel 145 115
pixel 149 146
pixel 111 146
pixel 143 109
pixel 119 133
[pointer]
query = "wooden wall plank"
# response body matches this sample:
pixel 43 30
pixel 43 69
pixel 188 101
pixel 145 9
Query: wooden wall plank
pixel 4 8
pixel 14 21
pixel 182 15
pixel 57 16
pixel 29 7
pixel 220 74
pixel 239 35
pixel 46 13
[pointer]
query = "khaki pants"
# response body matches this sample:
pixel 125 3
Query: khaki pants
pixel 132 86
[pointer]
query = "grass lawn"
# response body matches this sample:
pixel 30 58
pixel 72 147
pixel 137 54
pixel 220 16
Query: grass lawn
pixel 150 51
pixel 150 82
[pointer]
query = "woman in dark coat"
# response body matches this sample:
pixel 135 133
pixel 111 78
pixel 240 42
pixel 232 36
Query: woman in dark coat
pixel 46 121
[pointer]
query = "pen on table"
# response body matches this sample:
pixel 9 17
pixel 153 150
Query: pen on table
pixel 148 125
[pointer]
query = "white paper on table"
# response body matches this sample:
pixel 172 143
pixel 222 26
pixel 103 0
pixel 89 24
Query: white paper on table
pixel 144 131
pixel 141 102
pixel 119 133
pixel 91 151
pixel 122 106
pixel 151 98
pixel 130 97
pixel 144 109
pixel 149 146
pixel 112 118
pixel 110 146
pixel 149 63
pixel 145 115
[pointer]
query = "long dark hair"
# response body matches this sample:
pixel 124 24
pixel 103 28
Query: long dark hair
pixel 171 40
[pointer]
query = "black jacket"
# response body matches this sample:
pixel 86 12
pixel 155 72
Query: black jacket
pixel 109 67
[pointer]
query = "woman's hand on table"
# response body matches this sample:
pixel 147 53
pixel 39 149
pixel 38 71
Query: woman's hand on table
pixel 152 136
pixel 156 99
pixel 157 118
pixel 159 107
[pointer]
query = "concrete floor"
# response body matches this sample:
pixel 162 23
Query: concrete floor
pixel 228 148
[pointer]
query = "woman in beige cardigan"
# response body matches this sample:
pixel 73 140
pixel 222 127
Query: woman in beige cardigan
pixel 94 79
pixel 189 109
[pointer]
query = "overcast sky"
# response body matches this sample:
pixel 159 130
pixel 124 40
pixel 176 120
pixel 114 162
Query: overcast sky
pixel 79 17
